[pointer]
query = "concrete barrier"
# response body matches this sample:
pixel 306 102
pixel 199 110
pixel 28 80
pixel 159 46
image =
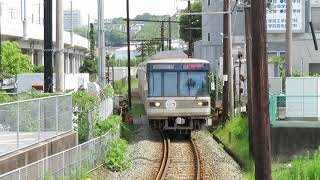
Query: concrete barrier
pixel 36 152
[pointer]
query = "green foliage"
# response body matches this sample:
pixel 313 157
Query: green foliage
pixel 119 88
pixel 116 38
pixel 90 64
pixel 137 110
pixel 195 23
pixel 117 158
pixel 128 130
pixel 38 69
pixel 238 126
pixel 85 102
pixel 5 98
pixel 111 123
pixel 300 168
pixel 279 61
pixel 13 60
pixel 108 91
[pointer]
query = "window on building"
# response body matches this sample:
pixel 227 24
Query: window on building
pixel 209 2
pixel 209 37
pixel 315 17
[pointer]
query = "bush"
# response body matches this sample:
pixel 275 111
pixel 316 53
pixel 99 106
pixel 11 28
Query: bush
pixel 38 69
pixel 300 168
pixel 108 91
pixel 137 110
pixel 117 158
pixel 111 123
pixel 85 102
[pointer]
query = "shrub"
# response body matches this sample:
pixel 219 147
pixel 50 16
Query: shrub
pixel 111 123
pixel 137 110
pixel 117 158
pixel 108 91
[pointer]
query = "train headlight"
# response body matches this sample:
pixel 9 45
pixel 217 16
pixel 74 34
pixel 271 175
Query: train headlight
pixel 201 103
pixel 155 104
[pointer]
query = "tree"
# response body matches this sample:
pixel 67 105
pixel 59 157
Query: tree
pixel 278 63
pixel 90 64
pixel 13 60
pixel 116 38
pixel 195 23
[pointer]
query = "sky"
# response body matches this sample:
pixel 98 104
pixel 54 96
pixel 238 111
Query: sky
pixel 113 8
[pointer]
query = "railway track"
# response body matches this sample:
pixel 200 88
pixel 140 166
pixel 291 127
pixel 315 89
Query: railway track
pixel 180 160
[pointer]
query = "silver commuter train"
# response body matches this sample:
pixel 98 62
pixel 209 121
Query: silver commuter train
pixel 175 93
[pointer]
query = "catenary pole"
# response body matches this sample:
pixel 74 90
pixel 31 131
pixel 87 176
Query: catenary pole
pixel 48 74
pixel 247 10
pixel 260 111
pixel 289 38
pixel 128 43
pixel 59 63
pixel 227 64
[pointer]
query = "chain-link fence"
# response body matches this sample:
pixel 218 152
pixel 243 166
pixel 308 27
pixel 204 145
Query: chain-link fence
pixel 70 164
pixel 24 123
pixel 292 109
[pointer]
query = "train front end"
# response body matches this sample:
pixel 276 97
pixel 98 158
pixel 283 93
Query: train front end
pixel 178 95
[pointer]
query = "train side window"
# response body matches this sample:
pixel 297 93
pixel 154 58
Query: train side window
pixel 155 80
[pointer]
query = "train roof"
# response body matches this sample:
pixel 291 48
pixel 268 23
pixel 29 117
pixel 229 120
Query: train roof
pixel 176 60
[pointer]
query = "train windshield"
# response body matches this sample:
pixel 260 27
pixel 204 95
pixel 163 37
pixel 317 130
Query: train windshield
pixel 183 83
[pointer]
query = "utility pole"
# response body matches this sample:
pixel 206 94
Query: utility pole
pixel 289 37
pixel 101 44
pixel 128 43
pixel 48 76
pixel 239 57
pixel 190 33
pixel 228 96
pixel 0 38
pixel 260 111
pixel 60 46
pixel 162 36
pixel 247 11
pixel 25 19
pixel 170 40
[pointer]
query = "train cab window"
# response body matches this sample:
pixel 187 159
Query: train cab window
pixel 193 84
pixel 155 80
pixel 170 84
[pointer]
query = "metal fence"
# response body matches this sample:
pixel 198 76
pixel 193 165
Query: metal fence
pixel 69 164
pixel 294 110
pixel 24 123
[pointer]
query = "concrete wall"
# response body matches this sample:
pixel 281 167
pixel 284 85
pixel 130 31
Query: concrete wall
pixel 32 154
pixel 72 81
pixel 288 142
pixel 122 72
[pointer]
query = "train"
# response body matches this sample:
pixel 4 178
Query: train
pixel 175 92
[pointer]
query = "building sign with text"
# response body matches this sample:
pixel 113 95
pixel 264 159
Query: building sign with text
pixel 276 16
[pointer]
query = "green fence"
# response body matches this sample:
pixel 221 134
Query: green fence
pixel 294 110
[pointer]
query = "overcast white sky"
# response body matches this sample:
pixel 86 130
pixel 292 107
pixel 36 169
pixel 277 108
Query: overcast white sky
pixel 113 8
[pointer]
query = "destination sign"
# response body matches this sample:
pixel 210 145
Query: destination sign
pixel 179 67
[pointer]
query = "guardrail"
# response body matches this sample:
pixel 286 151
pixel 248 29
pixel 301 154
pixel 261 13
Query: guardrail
pixel 27 122
pixel 69 164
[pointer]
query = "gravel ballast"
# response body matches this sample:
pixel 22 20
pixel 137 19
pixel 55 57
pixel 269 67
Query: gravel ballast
pixel 144 153
pixel 216 164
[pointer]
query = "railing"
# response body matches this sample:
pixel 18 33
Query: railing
pixel 294 110
pixel 27 122
pixel 69 164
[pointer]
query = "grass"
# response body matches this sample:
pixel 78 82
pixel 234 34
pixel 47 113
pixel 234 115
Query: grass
pixel 137 110
pixel 300 168
pixel 121 89
pixel 238 127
